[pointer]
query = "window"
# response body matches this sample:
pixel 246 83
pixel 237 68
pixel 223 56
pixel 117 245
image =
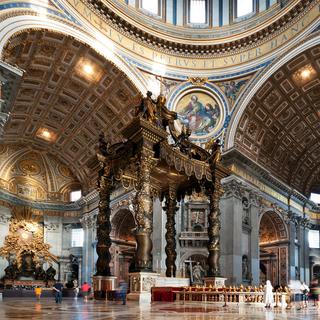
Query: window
pixel 197 11
pixel 77 237
pixel 315 197
pixel 244 7
pixel 314 239
pixel 75 195
pixel 150 5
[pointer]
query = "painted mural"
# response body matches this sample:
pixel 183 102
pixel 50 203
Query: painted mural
pixel 200 111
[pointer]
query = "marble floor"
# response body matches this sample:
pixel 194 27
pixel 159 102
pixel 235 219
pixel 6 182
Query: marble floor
pixel 28 308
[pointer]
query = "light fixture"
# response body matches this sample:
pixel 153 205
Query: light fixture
pixel 87 68
pixel 46 134
pixel 305 74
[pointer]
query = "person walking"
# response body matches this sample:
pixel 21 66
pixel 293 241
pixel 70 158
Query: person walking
pixel 123 291
pixel 268 294
pixel 85 288
pixel 57 287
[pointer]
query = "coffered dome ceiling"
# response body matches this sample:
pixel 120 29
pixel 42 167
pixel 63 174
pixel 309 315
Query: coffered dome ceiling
pixel 61 106
pixel 280 128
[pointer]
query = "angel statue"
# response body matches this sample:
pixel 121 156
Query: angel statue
pixel 214 147
pixel 147 108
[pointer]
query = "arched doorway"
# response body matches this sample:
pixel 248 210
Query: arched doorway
pixel 124 243
pixel 273 243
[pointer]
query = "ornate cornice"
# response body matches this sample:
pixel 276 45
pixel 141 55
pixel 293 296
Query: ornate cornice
pixel 233 156
pixel 195 47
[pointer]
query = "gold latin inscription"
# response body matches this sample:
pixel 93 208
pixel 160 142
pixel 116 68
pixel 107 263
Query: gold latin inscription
pixel 140 52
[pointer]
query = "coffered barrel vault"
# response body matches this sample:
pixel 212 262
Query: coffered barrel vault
pixel 56 94
pixel 280 128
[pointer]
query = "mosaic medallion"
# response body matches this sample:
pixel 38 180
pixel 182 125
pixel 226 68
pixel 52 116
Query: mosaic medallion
pixel 202 109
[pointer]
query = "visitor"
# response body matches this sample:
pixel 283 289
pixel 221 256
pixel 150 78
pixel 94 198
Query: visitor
pixel 123 291
pixel 57 287
pixel 38 291
pixel 304 294
pixel 85 288
pixel 268 294
pixel 315 293
pixel 288 297
pixel 76 292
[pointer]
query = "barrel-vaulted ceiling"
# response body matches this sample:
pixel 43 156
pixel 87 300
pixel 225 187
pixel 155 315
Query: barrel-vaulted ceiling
pixel 280 128
pixel 61 106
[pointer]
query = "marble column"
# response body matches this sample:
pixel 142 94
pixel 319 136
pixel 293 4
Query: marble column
pixel 171 208
pixel 143 212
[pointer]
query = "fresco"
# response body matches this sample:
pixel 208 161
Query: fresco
pixel 200 111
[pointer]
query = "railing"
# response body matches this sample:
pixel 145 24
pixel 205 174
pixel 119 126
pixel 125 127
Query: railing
pixel 226 296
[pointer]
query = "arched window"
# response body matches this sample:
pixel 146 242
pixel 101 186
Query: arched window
pixel 150 5
pixel 244 7
pixel 197 11
pixel 77 237
pixel 75 195
pixel 314 239
pixel 315 197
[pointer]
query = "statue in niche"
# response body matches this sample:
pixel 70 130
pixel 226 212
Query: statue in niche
pixel 245 208
pixel 50 273
pixel 245 268
pixel 197 273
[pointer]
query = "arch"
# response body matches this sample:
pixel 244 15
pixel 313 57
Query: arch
pixel 274 248
pixel 257 81
pixel 13 25
pixel 197 251
pixel 122 225
pixel 272 223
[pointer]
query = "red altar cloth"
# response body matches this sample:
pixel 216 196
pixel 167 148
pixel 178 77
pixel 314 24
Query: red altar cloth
pixel 164 293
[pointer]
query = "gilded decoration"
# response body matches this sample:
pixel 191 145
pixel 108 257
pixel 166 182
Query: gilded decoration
pixel 24 245
pixel 29 167
pixel 35 175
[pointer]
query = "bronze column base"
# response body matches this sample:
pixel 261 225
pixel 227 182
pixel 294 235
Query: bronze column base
pixel 143 258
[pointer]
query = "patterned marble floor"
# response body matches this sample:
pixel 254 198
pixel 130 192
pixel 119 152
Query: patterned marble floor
pixel 22 308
